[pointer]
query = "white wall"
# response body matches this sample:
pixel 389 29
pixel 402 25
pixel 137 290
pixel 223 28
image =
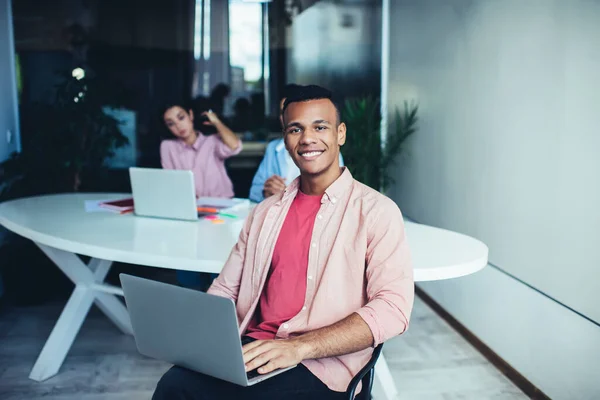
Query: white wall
pixel 507 152
pixel 554 348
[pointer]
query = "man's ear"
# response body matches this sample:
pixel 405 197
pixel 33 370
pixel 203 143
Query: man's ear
pixel 191 114
pixel 341 133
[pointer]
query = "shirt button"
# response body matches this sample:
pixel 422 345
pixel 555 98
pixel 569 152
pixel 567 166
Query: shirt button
pixel 285 326
pixel 320 216
pixel 333 200
pixel 310 277
pixel 303 308
pixel 314 244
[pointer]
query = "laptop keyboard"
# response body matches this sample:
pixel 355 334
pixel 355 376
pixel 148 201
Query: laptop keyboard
pixel 252 374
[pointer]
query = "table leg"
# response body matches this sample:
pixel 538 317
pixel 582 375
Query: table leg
pixel 109 304
pixel 384 387
pixel 63 334
pixel 115 311
pixel 88 290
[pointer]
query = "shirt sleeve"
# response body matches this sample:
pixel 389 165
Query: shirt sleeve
pixel 389 272
pixel 166 159
pixel 262 174
pixel 227 284
pixel 223 151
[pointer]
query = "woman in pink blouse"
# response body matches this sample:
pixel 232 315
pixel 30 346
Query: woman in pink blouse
pixel 203 155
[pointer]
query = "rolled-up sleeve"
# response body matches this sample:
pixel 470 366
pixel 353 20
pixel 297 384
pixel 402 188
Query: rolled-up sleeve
pixel 389 273
pixel 223 151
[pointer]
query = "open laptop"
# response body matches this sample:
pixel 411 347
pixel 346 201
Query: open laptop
pixel 164 193
pixel 188 328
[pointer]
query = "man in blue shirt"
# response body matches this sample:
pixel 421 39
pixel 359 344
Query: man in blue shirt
pixel 277 169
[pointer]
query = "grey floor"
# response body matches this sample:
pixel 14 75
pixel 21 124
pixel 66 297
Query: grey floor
pixel 431 361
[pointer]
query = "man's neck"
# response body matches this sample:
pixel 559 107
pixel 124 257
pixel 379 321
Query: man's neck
pixel 190 140
pixel 315 185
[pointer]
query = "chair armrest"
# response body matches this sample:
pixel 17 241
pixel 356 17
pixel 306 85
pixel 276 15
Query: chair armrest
pixel 363 372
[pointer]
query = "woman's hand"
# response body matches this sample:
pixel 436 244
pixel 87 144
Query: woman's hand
pixel 227 136
pixel 212 117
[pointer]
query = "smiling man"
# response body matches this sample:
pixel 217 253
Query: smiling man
pixel 320 275
pixel 277 168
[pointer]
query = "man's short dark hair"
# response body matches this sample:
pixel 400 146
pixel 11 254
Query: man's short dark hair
pixel 311 92
pixel 290 89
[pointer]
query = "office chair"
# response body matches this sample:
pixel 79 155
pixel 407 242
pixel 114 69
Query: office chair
pixel 366 375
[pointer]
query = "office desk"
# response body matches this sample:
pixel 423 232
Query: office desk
pixel 61 227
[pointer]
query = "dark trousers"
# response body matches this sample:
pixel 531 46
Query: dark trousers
pixel 296 384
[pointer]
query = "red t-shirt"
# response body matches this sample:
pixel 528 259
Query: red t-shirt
pixel 285 289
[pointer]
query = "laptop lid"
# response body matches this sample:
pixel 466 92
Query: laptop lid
pixel 185 327
pixel 163 193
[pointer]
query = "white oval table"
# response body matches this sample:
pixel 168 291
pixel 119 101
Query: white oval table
pixel 62 228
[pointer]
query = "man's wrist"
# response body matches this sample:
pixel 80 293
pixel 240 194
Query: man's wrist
pixel 305 347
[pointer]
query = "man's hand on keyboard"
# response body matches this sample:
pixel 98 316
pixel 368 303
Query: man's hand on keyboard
pixel 269 355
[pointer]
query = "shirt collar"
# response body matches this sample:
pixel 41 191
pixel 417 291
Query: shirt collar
pixel 280 146
pixel 196 145
pixel 333 193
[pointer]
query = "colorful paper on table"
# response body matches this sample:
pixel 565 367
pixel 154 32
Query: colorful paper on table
pixel 218 202
pixel 207 209
pixel 227 215
pixel 94 206
pixel 122 205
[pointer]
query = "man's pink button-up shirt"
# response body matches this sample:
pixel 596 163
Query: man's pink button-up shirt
pixel 359 261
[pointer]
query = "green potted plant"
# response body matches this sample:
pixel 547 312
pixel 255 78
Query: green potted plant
pixel 363 152
pixel 63 142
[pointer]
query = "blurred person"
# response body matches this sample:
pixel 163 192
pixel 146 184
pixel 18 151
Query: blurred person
pixel 241 120
pixel 203 155
pixel 217 98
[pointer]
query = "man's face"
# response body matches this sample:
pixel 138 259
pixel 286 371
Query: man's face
pixel 312 135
